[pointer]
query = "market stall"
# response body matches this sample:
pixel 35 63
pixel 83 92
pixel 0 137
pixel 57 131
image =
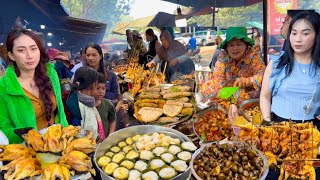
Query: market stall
pixel 174 136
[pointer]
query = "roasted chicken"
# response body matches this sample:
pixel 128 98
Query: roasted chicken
pixel 78 161
pixel 272 159
pixel 13 151
pixel 69 133
pixel 296 169
pixel 56 171
pixel 21 168
pixel 53 140
pixel 86 145
pixel 269 140
pixel 250 134
pixel 34 140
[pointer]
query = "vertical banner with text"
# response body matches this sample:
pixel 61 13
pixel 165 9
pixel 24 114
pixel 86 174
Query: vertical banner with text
pixel 278 12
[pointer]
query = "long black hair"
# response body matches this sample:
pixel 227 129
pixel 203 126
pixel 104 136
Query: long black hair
pixel 98 48
pixel 312 18
pixel 84 78
pixel 41 77
pixel 151 33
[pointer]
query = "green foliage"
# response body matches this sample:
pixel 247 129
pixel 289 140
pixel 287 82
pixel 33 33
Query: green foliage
pixel 227 17
pixel 110 12
pixel 309 4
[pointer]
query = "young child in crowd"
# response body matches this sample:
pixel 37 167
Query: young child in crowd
pixel 81 103
pixel 105 107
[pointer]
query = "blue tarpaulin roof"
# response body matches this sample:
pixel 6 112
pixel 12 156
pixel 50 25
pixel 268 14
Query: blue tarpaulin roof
pixel 255 24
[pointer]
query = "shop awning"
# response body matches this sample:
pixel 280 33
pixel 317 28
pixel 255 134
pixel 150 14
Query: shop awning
pixel 217 3
pixel 68 33
pixel 255 24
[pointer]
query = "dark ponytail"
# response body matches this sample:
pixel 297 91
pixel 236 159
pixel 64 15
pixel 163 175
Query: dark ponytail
pixel 84 78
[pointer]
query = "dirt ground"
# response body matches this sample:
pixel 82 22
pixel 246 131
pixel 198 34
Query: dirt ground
pixel 206 53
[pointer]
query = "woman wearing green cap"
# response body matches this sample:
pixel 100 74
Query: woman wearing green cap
pixel 237 65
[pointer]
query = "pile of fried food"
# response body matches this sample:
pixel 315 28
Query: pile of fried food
pixel 164 106
pixel 141 78
pixel 293 145
pixel 251 109
pixel 120 69
pixel 23 162
pixel 147 156
pixel 213 126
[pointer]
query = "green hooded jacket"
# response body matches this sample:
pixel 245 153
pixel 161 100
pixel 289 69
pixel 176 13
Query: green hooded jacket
pixel 16 109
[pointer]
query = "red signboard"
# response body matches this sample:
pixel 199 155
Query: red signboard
pixel 277 13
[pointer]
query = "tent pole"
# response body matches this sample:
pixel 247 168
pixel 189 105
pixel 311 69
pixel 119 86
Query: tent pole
pixel 213 13
pixel 265 31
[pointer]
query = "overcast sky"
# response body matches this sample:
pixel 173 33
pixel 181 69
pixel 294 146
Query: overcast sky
pixel 143 8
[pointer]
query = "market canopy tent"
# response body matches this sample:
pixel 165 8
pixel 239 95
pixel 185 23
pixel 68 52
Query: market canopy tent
pixel 255 24
pixel 216 3
pixel 120 28
pixel 161 19
pixel 204 6
pixel 67 32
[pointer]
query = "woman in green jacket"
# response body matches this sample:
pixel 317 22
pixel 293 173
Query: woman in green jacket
pixel 30 93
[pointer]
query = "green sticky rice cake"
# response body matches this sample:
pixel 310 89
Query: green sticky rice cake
pixel 167 173
pixel 120 173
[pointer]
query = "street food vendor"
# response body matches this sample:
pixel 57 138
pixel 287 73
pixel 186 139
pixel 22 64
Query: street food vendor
pixel 291 82
pixel 238 65
pixel 175 54
pixel 30 93
pixel 154 44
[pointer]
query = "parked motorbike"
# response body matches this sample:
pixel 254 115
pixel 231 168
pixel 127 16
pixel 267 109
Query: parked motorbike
pixel 195 55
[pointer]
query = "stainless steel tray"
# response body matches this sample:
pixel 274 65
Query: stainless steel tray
pixel 117 136
pixel 195 154
pixel 242 107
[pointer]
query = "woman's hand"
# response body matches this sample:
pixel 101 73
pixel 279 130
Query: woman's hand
pixel 232 113
pixel 119 106
pixel 151 64
pixel 173 62
pixel 243 82
pixel 125 107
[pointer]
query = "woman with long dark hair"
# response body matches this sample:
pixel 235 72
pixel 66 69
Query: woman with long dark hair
pixel 291 82
pixel 30 93
pixel 154 44
pixel 256 36
pixel 94 59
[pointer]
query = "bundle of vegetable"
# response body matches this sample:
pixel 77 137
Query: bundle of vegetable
pixel 148 156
